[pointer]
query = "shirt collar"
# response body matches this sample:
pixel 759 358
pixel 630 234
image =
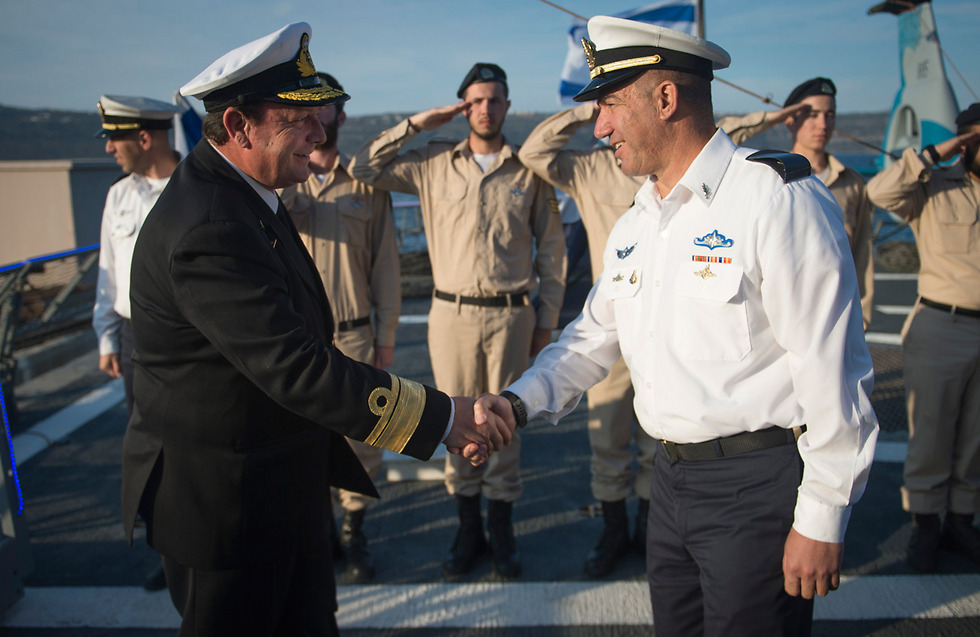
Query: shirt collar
pixel 704 175
pixel 268 196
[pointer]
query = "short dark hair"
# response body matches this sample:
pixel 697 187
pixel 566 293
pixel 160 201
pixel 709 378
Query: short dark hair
pixel 213 126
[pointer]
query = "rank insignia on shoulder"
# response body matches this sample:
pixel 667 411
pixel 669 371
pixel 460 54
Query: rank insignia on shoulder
pixel 554 205
pixel 618 277
pixel 706 190
pixel 790 166
pixel 625 252
pixel 714 240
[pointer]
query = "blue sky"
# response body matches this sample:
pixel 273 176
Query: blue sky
pixel 409 55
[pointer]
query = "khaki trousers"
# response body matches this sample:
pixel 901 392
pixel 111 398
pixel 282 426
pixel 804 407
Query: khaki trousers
pixel 358 344
pixel 612 427
pixel 942 386
pixel 475 350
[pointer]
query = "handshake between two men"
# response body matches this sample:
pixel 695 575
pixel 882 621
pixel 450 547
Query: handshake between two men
pixel 480 427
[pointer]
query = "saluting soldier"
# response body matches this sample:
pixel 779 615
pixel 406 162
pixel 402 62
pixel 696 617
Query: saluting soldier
pixel 941 339
pixel 349 230
pixel 810 114
pixel 594 180
pixel 493 233
pixel 242 400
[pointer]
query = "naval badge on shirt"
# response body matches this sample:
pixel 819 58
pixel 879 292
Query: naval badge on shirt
pixel 714 240
pixel 625 252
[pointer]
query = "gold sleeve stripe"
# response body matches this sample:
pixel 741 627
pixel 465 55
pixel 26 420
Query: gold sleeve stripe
pixel 399 409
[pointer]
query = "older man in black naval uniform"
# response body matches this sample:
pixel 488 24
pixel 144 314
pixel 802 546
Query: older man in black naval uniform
pixel 242 401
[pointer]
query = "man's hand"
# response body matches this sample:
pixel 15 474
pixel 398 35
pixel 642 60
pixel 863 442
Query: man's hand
pixel 383 356
pixel 810 566
pixel 958 145
pixel 109 363
pixel 796 110
pixel 539 340
pixel 477 431
pixel 436 117
pixel 492 405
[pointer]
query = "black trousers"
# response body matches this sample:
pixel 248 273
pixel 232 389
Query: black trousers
pixel 715 536
pixel 294 595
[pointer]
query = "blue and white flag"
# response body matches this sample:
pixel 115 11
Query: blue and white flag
pixel 681 15
pixel 187 126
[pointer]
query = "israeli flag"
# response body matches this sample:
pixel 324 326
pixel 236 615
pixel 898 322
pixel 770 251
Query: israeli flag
pixel 187 126
pixel 680 15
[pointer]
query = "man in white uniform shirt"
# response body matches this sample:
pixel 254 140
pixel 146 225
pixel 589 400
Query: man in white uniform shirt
pixel 135 132
pixel 729 289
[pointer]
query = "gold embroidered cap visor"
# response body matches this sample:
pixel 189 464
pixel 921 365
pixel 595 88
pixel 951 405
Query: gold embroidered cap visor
pixel 276 68
pixel 620 50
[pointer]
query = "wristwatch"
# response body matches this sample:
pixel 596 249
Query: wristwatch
pixel 520 413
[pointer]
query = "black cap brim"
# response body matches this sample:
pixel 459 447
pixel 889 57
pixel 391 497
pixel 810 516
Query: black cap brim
pixel 608 82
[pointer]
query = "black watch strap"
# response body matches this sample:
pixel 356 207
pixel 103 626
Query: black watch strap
pixel 932 152
pixel 520 413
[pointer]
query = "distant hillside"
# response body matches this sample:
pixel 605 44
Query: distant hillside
pixel 54 134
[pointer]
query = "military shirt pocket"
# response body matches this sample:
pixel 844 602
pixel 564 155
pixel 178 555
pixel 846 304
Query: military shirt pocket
pixel 123 223
pixel 624 287
pixel 354 216
pixel 710 322
pixel 957 228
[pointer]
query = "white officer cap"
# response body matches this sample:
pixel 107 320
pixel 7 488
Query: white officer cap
pixel 276 68
pixel 619 50
pixel 122 114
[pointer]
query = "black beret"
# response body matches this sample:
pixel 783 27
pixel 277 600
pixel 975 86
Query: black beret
pixel 816 86
pixel 970 116
pixel 482 72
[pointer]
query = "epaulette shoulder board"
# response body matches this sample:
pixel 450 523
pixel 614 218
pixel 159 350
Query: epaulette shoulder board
pixel 790 166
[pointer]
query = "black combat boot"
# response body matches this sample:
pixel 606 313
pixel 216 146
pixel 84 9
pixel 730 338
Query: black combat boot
pixel 503 547
pixel 469 544
pixel 614 543
pixel 960 536
pixel 360 567
pixel 924 543
pixel 640 530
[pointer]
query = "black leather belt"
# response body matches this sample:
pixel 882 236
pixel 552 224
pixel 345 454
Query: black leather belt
pixel 950 309
pixel 346 326
pixel 733 445
pixel 501 300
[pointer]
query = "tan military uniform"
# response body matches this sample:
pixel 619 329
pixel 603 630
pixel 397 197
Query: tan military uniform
pixel 482 230
pixel 603 193
pixel 349 230
pixel 850 190
pixel 741 128
pixel 941 346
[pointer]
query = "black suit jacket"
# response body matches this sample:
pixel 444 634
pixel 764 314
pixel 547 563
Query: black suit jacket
pixel 242 401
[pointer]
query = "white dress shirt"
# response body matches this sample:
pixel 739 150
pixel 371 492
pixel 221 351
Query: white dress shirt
pixel 735 304
pixel 127 204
